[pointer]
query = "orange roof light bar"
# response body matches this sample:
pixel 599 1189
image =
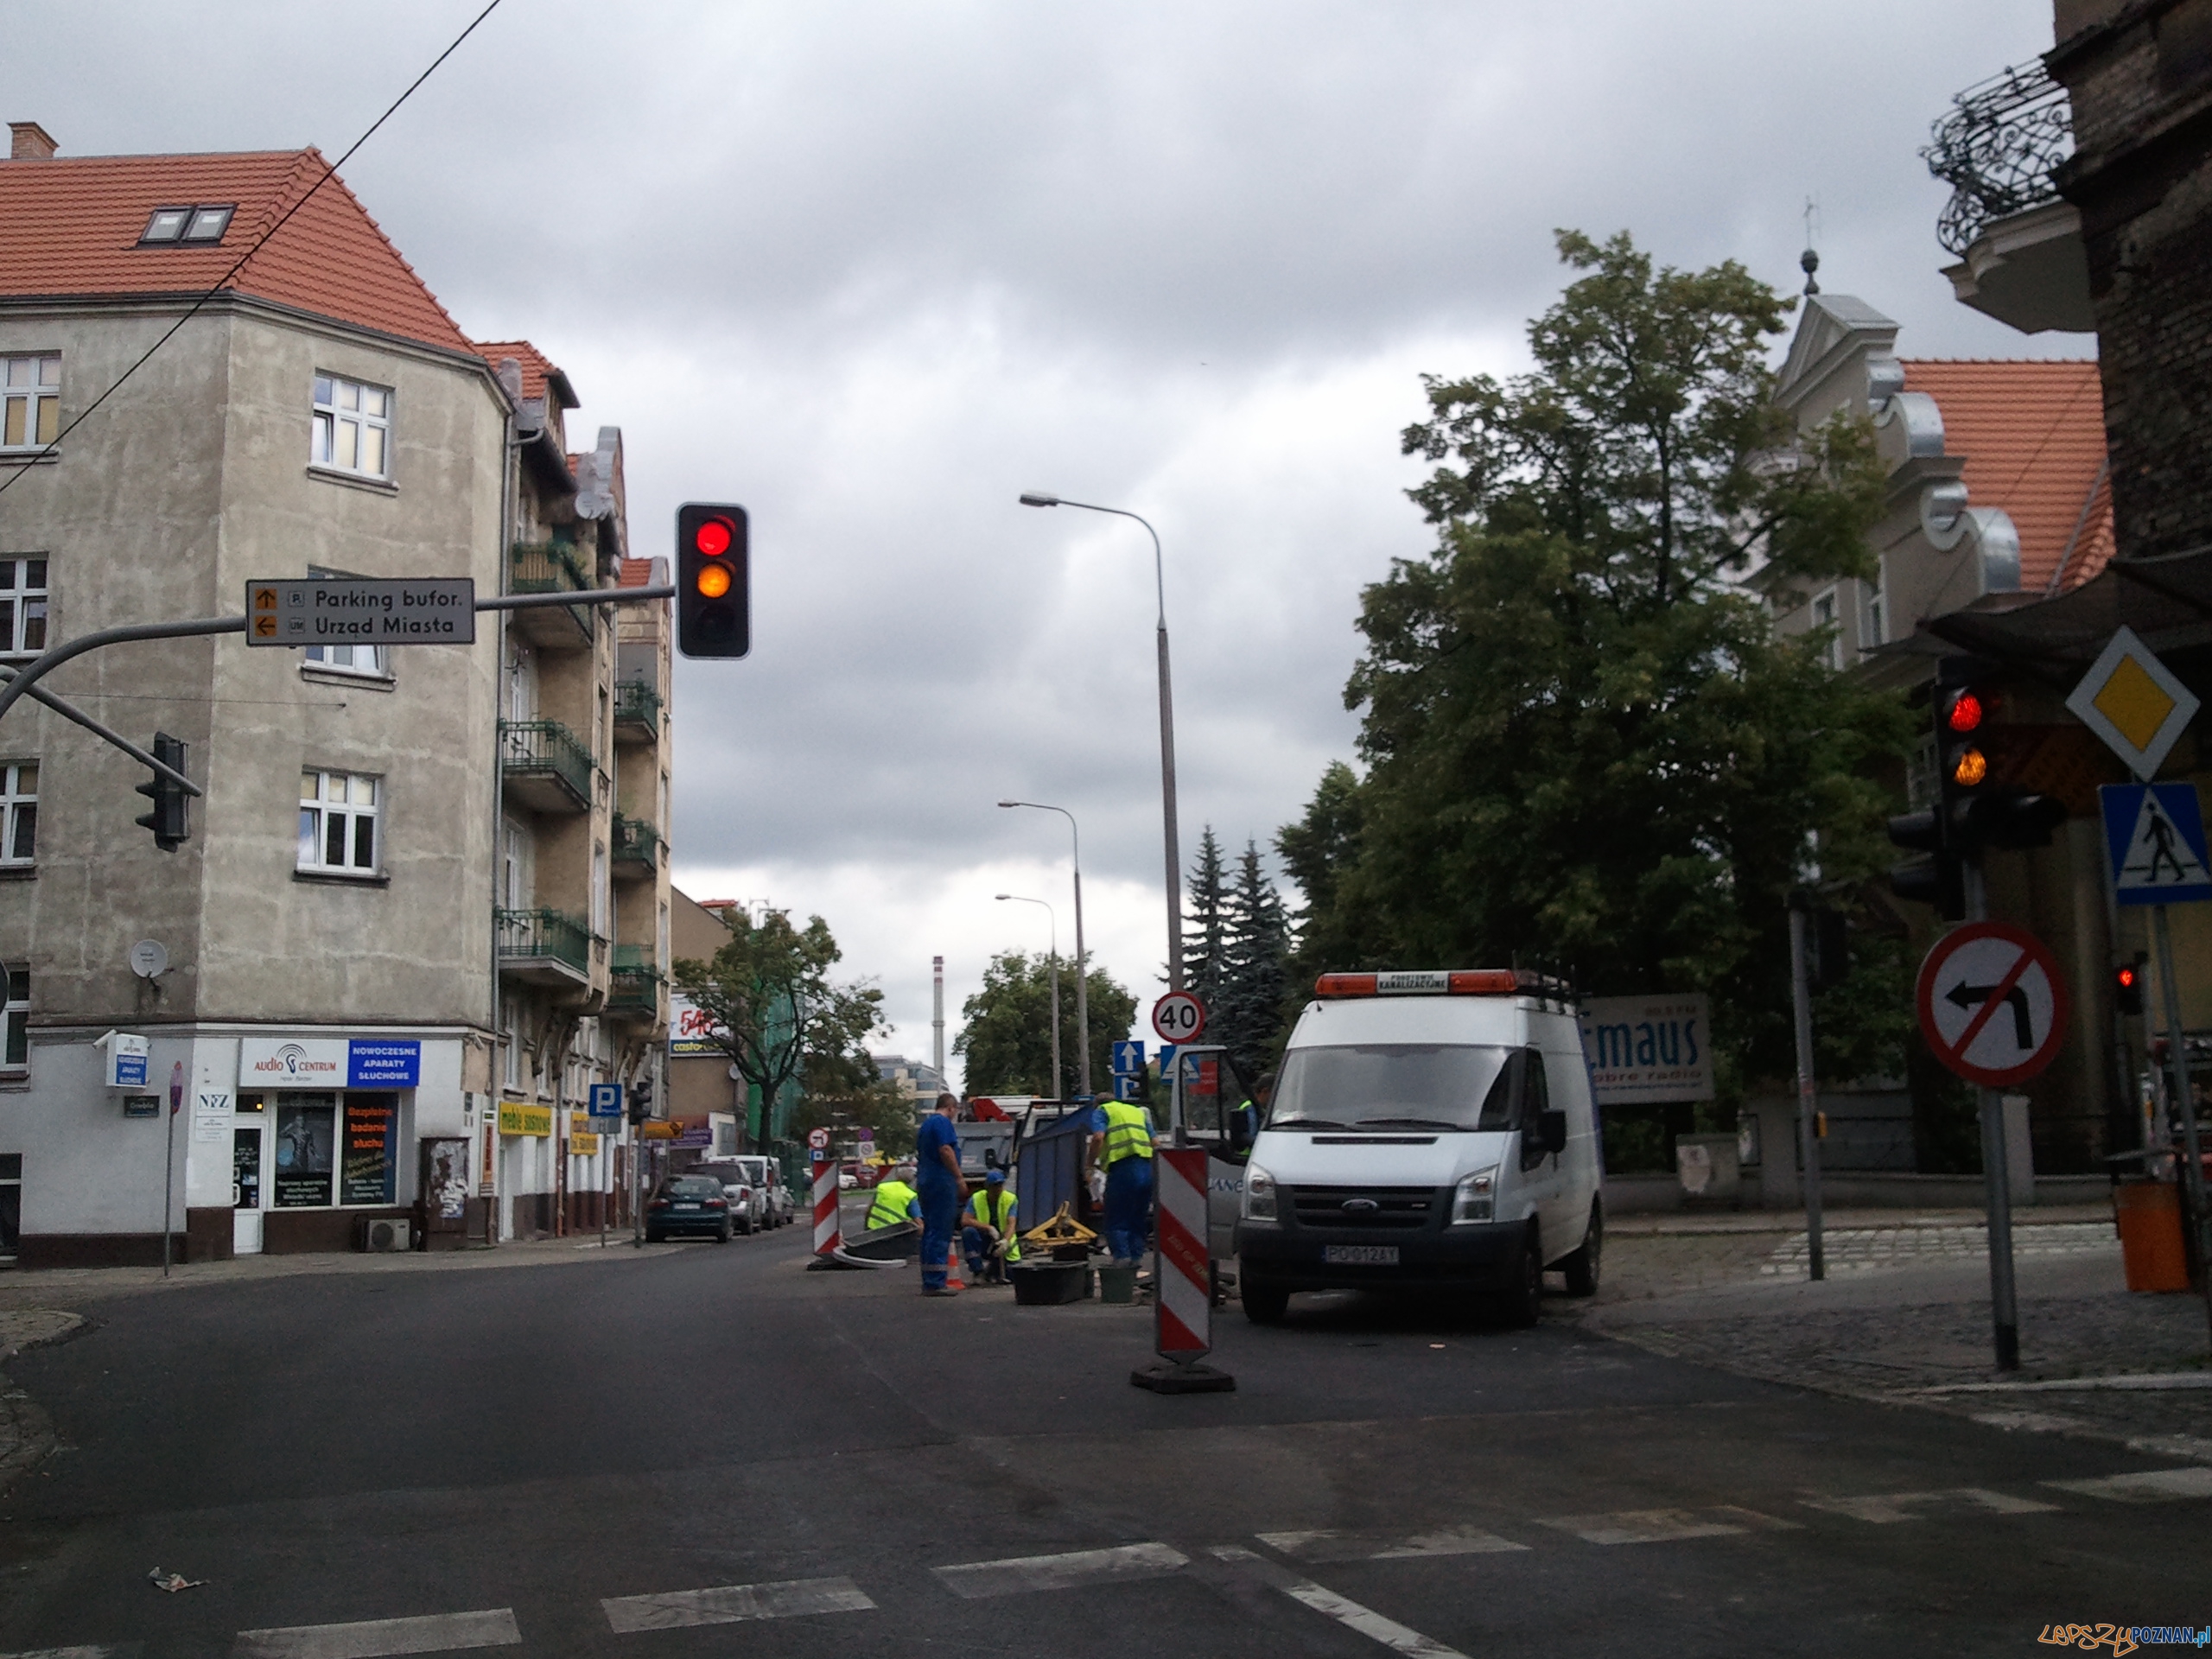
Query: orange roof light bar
pixel 1432 981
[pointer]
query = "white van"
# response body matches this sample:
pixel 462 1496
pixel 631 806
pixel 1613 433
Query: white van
pixel 1429 1129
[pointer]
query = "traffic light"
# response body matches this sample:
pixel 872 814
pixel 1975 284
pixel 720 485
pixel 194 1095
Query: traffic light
pixel 713 583
pixel 1939 879
pixel 1981 807
pixel 171 818
pixel 641 1100
pixel 2127 984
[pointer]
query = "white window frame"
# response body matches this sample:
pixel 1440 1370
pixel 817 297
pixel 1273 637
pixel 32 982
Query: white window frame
pixel 18 813
pixel 25 597
pixel 351 418
pixel 1874 628
pixel 14 1046
pixel 1823 613
pixel 317 811
pixel 367 662
pixel 30 400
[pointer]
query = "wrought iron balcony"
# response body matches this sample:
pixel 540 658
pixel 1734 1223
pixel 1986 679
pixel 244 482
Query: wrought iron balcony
pixel 635 981
pixel 542 945
pixel 636 710
pixel 1998 148
pixel 546 766
pixel 637 848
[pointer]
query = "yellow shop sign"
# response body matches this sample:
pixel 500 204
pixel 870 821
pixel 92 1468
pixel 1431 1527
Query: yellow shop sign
pixel 583 1145
pixel 517 1119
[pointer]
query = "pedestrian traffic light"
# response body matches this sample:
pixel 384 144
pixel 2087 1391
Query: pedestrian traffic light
pixel 714 589
pixel 171 818
pixel 2127 984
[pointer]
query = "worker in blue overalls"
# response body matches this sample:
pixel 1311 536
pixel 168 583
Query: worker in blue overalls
pixel 941 1189
pixel 1120 1144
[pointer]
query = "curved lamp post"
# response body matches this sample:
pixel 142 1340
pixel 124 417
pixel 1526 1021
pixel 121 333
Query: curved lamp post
pixel 1166 734
pixel 1059 1078
pixel 1081 967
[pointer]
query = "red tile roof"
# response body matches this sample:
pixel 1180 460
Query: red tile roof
pixel 636 573
pixel 69 227
pixel 2033 437
pixel 536 368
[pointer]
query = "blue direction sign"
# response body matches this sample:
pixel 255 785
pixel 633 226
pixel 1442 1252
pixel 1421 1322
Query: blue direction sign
pixel 2154 836
pixel 605 1100
pixel 1128 1059
pixel 1128 1086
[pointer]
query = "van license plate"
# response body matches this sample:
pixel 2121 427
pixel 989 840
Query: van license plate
pixel 1360 1255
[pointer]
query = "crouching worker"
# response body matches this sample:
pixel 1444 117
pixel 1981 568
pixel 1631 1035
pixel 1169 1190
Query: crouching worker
pixel 989 1239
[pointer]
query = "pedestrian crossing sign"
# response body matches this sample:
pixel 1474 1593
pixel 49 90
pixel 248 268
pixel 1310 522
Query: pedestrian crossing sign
pixel 2154 835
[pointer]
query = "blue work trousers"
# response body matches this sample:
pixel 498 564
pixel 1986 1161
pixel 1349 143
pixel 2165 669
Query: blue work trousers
pixel 1129 1208
pixel 940 1201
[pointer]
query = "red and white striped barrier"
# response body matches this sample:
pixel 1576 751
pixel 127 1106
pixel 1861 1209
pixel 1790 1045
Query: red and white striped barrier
pixel 1184 1277
pixel 829 1234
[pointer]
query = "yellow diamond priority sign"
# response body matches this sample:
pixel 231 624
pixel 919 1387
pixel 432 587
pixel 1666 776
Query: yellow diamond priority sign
pixel 2132 700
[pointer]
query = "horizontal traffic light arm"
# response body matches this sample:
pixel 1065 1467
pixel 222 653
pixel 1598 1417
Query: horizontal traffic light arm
pixel 69 710
pixel 28 677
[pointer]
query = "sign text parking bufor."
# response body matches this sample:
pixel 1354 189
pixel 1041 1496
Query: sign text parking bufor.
pixel 362 611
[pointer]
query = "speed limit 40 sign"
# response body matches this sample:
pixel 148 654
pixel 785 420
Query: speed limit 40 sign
pixel 1179 1017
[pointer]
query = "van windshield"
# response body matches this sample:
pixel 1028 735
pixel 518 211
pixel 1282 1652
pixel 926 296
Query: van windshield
pixel 1395 1086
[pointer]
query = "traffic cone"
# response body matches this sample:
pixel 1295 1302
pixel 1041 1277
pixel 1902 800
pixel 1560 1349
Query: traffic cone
pixel 952 1279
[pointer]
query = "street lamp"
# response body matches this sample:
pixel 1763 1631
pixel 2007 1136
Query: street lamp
pixel 1030 499
pixel 1059 1078
pixel 1081 967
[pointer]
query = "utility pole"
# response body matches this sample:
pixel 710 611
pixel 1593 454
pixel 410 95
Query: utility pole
pixel 1809 1098
pixel 937 1017
pixel 1997 1179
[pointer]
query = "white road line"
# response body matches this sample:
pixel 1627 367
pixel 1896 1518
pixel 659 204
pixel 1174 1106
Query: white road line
pixel 1386 1547
pixel 1347 1612
pixel 1662 1525
pixel 121 1650
pixel 375 1637
pixel 2154 1486
pixel 1885 1509
pixel 1027 1572
pixel 733 1604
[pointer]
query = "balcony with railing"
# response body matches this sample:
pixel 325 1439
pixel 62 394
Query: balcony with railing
pixel 637 849
pixel 2019 242
pixel 637 712
pixel 551 567
pixel 634 983
pixel 543 947
pixel 546 766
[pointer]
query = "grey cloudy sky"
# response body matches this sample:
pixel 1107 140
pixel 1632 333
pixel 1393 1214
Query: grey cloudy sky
pixel 873 268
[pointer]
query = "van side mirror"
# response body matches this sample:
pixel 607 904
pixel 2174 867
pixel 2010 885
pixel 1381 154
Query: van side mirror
pixel 1552 1131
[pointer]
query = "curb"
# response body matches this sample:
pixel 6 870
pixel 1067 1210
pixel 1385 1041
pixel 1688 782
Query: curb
pixel 26 1432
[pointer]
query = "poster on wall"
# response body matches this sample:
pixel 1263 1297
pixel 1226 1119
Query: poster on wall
pixel 1648 1049
pixel 690 1029
pixel 446 1181
pixel 368 1173
pixel 306 1138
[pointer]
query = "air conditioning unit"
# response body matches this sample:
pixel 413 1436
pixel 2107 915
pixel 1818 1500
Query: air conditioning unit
pixel 380 1235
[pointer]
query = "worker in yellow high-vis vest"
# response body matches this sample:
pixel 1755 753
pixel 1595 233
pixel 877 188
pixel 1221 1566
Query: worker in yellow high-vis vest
pixel 895 1202
pixel 1120 1144
pixel 988 1238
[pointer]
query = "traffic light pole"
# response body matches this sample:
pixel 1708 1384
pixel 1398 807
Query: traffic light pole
pixel 2185 1099
pixel 1809 1098
pixel 1997 1181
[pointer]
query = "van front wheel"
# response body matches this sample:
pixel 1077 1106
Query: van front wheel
pixel 1522 1302
pixel 1264 1303
pixel 1582 1266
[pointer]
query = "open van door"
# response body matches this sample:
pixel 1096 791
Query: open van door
pixel 1210 1105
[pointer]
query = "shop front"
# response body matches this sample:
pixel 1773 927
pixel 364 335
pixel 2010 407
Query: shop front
pixel 317 1131
pixel 527 1170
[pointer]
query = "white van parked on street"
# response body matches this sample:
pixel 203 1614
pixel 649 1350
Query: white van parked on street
pixel 1429 1129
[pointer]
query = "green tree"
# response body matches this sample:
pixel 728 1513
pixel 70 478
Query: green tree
pixel 1205 930
pixel 836 1100
pixel 1584 740
pixel 1005 1032
pixel 773 1007
pixel 1247 1017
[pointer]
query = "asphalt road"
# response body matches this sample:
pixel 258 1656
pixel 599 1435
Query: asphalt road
pixel 586 1458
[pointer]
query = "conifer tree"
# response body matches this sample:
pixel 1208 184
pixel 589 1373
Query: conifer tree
pixel 1206 937
pixel 1247 1017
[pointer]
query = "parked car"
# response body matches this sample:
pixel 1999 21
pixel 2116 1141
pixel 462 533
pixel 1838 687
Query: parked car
pixel 767 1182
pixel 688 1204
pixel 748 1204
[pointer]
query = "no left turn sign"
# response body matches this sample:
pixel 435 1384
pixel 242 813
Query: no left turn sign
pixel 817 1139
pixel 1991 1003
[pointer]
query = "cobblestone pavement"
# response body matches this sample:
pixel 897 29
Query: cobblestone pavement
pixel 1862 1249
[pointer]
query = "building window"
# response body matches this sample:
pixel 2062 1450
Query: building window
pixel 23 607
pixel 353 427
pixel 18 812
pixel 346 659
pixel 338 823
pixel 1824 618
pixel 599 905
pixel 17 1055
pixel 202 224
pixel 1875 630
pixel 11 1201
pixel 30 400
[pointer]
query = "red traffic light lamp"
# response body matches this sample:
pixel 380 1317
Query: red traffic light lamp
pixel 713 580
pixel 2127 984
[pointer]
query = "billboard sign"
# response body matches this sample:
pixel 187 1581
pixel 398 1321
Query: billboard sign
pixel 1644 1050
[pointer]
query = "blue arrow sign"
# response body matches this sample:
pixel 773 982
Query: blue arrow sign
pixel 2154 840
pixel 1128 1059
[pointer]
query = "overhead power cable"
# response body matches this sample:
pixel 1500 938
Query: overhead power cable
pixel 221 283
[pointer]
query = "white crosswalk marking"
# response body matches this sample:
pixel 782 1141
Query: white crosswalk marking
pixel 1343 1609
pixel 2152 1486
pixel 1386 1547
pixel 1026 1572
pixel 375 1637
pixel 1885 1509
pixel 1662 1525
pixel 733 1604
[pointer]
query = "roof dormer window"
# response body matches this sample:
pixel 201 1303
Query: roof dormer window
pixel 196 224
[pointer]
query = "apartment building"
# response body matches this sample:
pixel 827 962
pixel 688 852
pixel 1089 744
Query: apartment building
pixel 329 1024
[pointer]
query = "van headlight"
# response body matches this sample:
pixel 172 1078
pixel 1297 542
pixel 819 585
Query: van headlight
pixel 1259 1194
pixel 1472 1198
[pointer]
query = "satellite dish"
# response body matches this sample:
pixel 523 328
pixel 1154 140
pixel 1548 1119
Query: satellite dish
pixel 149 959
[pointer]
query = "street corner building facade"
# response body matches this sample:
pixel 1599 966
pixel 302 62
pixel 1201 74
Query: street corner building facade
pixel 422 897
